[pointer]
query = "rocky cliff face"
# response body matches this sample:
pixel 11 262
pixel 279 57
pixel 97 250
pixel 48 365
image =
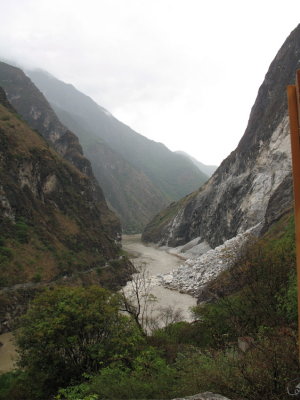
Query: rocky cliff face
pixel 51 227
pixel 30 103
pixel 139 176
pixel 253 184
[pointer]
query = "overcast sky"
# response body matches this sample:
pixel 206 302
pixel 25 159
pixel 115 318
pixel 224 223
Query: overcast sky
pixel 181 72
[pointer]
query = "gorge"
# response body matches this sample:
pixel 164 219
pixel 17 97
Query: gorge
pixel 156 262
pixel 223 245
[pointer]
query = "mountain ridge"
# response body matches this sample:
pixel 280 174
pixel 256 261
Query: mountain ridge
pixel 31 104
pixel 51 228
pixel 167 174
pixel 207 169
pixel 253 184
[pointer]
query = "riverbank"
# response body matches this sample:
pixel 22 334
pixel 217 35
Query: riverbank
pixel 157 261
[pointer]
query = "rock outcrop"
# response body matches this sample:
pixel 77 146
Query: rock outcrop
pixel 138 176
pixel 51 226
pixel 31 104
pixel 204 396
pixel 253 184
pixel 193 275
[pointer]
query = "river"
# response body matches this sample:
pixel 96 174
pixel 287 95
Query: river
pixel 156 261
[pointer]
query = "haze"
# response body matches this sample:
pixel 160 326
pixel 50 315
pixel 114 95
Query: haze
pixel 184 73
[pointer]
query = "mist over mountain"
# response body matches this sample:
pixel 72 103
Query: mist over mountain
pixel 207 169
pixel 60 247
pixel 54 220
pixel 139 176
pixel 253 185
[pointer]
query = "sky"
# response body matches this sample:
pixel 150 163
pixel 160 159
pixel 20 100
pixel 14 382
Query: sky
pixel 182 72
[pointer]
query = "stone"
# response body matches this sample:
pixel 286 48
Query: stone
pixel 204 396
pixel 192 276
pixel 253 184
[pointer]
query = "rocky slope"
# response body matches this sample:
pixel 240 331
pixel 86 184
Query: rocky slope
pixel 200 268
pixel 30 103
pixel 204 396
pixel 51 226
pixel 129 192
pixel 253 184
pixel 123 161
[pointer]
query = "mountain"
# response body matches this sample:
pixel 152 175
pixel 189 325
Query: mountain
pixel 30 103
pixel 139 176
pixel 53 217
pixel 253 185
pixel 128 191
pixel 206 169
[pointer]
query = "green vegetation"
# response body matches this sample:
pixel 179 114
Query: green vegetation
pixel 138 176
pixel 149 376
pixel 51 226
pixel 75 343
pixel 68 332
pixel 22 231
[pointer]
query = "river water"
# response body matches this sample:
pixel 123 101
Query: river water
pixel 158 261
pixel 155 261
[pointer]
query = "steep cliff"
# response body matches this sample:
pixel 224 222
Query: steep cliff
pixel 30 103
pixel 129 192
pixel 253 184
pixel 124 162
pixel 51 227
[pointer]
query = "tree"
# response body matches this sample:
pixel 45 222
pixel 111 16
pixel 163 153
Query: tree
pixel 70 331
pixel 149 377
pixel 138 300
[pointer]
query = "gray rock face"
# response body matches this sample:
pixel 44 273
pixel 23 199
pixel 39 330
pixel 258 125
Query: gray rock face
pixel 204 396
pixel 193 275
pixel 139 176
pixel 253 184
pixel 31 104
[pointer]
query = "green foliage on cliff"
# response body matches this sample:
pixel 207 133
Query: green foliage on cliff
pixel 262 281
pixel 260 310
pixel 52 223
pixel 139 176
pixel 204 356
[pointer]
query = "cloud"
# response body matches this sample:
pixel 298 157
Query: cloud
pixel 184 73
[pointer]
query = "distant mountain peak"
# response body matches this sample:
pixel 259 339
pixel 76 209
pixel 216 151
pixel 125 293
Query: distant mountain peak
pixel 206 169
pixel 253 185
pixel 139 176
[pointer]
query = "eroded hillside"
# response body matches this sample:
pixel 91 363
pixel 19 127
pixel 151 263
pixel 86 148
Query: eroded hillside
pixel 51 226
pixel 253 184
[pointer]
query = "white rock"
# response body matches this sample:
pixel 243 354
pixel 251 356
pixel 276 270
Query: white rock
pixel 195 273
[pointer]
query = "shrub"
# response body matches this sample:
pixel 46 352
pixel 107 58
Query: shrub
pixel 70 331
pixel 149 377
pixel 22 231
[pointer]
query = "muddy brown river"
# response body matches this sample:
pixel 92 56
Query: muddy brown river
pixel 157 261
pixel 154 261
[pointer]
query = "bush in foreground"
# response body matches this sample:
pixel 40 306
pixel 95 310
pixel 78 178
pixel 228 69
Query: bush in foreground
pixel 70 331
